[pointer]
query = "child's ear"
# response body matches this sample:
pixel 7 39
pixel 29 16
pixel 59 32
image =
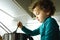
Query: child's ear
pixel 48 13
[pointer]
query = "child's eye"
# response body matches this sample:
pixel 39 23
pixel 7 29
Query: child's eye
pixel 37 13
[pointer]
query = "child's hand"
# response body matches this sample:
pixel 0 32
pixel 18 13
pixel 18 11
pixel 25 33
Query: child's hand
pixel 1 37
pixel 19 24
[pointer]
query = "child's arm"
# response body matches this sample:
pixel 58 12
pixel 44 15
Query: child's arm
pixel 29 32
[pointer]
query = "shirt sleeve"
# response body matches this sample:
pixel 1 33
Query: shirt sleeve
pixel 31 33
pixel 51 30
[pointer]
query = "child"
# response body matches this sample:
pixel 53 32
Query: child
pixel 43 10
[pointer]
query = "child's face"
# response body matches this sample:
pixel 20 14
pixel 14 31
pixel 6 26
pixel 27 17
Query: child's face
pixel 40 14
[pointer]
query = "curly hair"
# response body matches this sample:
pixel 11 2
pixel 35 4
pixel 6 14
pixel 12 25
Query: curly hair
pixel 46 5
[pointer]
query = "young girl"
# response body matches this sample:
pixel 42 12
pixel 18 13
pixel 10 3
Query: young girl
pixel 43 10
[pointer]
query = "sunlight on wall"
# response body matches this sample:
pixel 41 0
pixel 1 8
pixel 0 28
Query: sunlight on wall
pixel 33 24
pixel 4 18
